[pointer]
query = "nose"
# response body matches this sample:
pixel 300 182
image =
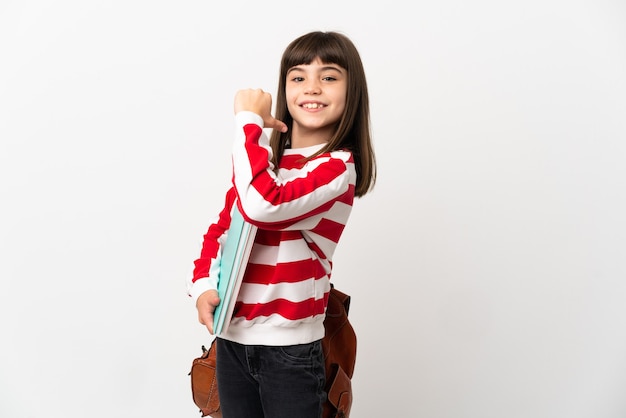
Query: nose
pixel 312 87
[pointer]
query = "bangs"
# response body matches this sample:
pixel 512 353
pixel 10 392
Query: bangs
pixel 304 50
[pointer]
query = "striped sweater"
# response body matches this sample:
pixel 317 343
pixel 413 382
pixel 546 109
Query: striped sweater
pixel 301 210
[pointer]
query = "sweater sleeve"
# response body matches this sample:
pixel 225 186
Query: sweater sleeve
pixel 265 198
pixel 206 267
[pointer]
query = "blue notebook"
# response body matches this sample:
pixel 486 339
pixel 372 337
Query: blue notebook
pixel 233 264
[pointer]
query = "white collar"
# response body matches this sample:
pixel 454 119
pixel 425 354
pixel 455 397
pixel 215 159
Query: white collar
pixel 305 151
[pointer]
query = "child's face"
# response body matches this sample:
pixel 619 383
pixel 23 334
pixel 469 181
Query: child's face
pixel 316 97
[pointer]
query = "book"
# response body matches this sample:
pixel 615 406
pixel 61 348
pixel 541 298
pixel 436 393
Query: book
pixel 233 262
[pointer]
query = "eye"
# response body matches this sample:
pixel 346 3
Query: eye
pixel 297 79
pixel 329 78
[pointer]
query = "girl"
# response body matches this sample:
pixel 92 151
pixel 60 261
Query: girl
pixel 297 188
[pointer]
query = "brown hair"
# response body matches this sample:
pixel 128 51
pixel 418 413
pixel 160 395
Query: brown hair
pixel 353 129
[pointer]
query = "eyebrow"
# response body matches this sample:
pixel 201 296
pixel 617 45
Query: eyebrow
pixel 325 68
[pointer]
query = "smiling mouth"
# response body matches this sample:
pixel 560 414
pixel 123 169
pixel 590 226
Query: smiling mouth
pixel 313 105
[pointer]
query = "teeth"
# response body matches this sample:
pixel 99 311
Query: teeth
pixel 312 105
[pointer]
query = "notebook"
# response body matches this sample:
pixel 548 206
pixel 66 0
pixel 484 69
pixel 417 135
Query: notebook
pixel 233 262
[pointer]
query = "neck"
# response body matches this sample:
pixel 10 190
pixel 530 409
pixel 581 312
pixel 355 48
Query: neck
pixel 302 138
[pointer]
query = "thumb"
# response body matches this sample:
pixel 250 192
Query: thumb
pixel 273 123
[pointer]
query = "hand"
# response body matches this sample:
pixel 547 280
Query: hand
pixel 259 102
pixel 206 303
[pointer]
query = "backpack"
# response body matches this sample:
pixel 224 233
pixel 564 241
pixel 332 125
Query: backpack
pixel 338 345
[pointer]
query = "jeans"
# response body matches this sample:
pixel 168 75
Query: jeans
pixel 256 381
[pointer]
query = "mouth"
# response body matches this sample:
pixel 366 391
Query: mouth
pixel 312 105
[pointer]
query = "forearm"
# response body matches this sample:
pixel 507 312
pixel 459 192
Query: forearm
pixel 267 198
pixel 206 266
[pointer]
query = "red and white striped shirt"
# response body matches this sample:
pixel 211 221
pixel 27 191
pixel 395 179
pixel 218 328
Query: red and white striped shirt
pixel 301 210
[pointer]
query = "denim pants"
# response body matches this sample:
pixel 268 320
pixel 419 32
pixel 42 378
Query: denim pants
pixel 256 381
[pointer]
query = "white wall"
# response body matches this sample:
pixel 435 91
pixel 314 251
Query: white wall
pixel 487 268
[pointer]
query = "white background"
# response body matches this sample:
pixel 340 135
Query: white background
pixel 487 268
